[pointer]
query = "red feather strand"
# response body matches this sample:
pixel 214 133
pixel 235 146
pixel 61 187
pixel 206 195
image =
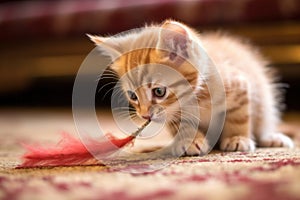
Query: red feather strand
pixel 70 151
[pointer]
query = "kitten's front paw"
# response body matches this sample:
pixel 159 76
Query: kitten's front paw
pixel 237 143
pixel 199 146
pixel 276 140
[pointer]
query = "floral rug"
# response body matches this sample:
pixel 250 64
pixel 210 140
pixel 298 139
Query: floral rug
pixel 267 173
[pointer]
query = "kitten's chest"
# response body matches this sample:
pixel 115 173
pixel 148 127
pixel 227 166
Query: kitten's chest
pixel 233 98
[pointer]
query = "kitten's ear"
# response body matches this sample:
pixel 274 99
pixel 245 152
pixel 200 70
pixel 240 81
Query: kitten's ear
pixel 107 44
pixel 174 38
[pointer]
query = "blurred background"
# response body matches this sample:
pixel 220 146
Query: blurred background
pixel 43 43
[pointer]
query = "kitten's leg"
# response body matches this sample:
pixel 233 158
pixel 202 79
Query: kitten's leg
pixel 194 147
pixel 275 140
pixel 265 121
pixel 189 141
pixel 236 135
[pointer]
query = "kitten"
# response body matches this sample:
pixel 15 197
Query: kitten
pixel 252 103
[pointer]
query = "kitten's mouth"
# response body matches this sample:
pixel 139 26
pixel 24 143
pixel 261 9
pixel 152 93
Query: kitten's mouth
pixel 155 118
pixel 161 118
pixel 158 116
pixel 147 117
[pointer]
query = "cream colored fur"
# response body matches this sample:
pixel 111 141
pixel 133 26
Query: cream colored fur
pixel 252 100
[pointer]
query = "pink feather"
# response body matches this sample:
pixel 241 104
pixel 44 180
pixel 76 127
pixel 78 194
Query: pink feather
pixel 70 151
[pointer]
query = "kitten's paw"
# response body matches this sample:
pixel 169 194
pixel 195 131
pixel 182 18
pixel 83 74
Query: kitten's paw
pixel 237 143
pixel 276 140
pixel 199 146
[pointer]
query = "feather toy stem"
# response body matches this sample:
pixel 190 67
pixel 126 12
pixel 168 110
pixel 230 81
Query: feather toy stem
pixel 70 151
pixel 140 129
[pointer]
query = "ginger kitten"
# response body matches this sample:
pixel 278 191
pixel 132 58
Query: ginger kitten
pixel 252 113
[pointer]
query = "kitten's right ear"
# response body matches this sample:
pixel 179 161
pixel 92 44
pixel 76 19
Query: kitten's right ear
pixel 108 45
pixel 174 38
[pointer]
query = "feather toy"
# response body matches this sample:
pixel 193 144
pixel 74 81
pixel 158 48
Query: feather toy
pixel 70 151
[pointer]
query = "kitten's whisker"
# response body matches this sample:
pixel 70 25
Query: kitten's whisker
pixel 117 92
pixel 110 70
pixel 135 117
pixel 102 77
pixel 194 107
pixel 187 116
pixel 108 78
pixel 124 111
pixel 108 91
pixel 124 116
pixel 110 74
pixel 124 107
pixel 105 85
pixel 190 115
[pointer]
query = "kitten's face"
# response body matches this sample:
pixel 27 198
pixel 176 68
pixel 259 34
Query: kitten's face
pixel 145 85
pixel 155 93
pixel 150 101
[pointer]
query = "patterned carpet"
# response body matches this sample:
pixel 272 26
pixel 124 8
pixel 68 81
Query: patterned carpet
pixel 263 174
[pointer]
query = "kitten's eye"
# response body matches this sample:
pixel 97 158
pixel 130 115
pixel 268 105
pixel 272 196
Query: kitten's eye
pixel 159 91
pixel 132 95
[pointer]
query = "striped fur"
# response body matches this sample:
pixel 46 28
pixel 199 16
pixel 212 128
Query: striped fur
pixel 252 112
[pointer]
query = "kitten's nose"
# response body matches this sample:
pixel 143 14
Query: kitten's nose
pixel 147 117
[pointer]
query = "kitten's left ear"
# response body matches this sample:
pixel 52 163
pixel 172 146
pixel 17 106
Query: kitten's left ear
pixel 174 38
pixel 109 45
